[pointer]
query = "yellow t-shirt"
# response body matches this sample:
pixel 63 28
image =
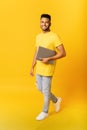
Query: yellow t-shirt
pixel 48 40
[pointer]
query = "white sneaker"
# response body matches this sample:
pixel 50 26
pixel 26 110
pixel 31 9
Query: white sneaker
pixel 42 116
pixel 57 104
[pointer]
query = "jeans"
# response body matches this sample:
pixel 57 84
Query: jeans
pixel 44 85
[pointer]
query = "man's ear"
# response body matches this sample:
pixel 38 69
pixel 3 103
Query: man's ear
pixel 50 23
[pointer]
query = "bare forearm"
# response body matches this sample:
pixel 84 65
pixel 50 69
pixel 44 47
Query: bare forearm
pixel 33 65
pixel 34 61
pixel 60 54
pixel 57 56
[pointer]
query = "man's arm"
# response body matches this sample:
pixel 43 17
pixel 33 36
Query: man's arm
pixel 61 53
pixel 33 64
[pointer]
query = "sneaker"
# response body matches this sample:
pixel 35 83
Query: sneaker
pixel 57 104
pixel 42 116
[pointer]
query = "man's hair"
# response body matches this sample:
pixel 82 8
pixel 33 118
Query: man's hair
pixel 46 16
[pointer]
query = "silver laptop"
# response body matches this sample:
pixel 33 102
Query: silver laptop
pixel 45 53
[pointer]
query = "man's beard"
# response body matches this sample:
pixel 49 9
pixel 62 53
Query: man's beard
pixel 46 29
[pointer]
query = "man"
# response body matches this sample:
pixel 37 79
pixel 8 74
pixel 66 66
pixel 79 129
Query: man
pixel 45 70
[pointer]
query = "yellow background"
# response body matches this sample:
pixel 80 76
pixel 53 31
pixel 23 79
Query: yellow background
pixel 20 100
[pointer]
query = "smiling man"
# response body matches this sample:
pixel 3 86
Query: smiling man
pixel 45 70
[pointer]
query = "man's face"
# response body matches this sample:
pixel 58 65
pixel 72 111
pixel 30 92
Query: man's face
pixel 45 24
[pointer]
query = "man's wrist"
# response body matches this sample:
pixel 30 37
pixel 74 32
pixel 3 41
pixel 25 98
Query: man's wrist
pixel 50 58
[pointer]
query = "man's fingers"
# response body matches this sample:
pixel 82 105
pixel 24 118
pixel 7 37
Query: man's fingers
pixel 41 58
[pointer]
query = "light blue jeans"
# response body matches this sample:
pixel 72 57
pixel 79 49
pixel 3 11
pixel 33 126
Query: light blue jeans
pixel 44 85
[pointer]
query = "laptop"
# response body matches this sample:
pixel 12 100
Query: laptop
pixel 45 53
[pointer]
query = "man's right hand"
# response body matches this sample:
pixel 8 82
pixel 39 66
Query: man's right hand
pixel 32 72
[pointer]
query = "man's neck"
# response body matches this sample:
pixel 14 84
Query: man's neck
pixel 46 31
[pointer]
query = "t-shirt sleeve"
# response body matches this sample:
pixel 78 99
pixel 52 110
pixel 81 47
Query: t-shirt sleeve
pixel 36 41
pixel 57 41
